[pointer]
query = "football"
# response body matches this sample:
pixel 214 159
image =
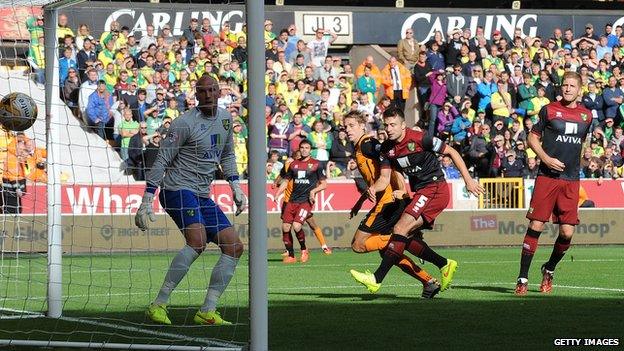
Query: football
pixel 18 112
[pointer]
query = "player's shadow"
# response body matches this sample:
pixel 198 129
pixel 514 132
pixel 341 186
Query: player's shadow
pixel 488 288
pixel 363 296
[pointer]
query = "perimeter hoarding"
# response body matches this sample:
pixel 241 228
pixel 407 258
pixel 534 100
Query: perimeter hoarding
pixel 354 25
pixel 117 233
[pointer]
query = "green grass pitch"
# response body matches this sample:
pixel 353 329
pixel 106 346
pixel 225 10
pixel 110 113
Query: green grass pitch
pixel 317 306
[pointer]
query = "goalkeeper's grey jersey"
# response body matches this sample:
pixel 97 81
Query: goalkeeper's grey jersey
pixel 192 151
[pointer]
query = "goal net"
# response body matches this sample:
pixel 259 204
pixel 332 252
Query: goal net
pixel 75 271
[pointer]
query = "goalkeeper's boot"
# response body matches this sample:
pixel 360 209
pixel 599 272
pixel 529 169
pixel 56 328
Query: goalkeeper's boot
pixel 305 256
pixel 547 278
pixel 367 279
pixel 327 250
pixel 289 259
pixel 157 313
pixel 210 318
pixel 448 272
pixel 431 289
pixel 521 287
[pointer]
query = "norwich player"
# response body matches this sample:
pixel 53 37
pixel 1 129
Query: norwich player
pixel 310 220
pixel 373 232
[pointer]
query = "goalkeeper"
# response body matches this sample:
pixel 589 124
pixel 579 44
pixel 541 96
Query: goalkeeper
pixel 197 144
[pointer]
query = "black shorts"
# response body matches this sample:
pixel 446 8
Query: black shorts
pixel 382 218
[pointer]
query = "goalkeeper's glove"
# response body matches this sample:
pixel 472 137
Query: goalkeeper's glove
pixel 240 199
pixel 145 211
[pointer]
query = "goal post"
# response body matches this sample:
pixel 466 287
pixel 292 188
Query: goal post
pixel 52 114
pixel 73 293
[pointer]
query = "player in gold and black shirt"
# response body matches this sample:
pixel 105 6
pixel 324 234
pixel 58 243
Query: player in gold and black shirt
pixel 373 232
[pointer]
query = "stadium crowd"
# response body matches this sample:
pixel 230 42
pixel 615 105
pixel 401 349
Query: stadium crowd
pixel 481 96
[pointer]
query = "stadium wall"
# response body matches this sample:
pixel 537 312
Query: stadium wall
pixel 117 233
pixel 340 195
pixel 352 24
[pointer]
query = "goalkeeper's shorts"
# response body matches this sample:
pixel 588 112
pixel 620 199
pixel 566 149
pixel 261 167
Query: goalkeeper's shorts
pixel 185 208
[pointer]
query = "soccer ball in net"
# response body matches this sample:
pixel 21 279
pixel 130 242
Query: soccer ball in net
pixel 18 112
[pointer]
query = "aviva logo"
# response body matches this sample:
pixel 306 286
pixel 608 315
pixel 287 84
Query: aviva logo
pixel 214 151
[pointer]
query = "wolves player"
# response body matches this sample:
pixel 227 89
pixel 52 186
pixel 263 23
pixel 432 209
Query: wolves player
pixel 372 234
pixel 414 153
pixel 198 142
pixel 308 179
pixel 557 138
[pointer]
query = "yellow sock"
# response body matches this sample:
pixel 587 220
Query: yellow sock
pixel 376 242
pixel 319 236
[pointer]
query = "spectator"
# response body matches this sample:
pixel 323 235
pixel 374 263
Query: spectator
pixel 36 59
pixel 457 84
pixel 592 171
pixel 366 84
pixel 136 146
pixel 297 131
pixel 437 79
pixel 127 129
pixel 485 89
pixel 320 45
pixel 65 64
pixel 422 69
pixel 341 150
pixel 397 81
pixel 460 128
pixel 595 103
pixel 512 167
pixel 613 97
pixel 445 119
pixel 532 169
pixel 449 169
pixel 71 90
pixel 321 142
pixel 98 109
pixel 408 49
pixel 278 132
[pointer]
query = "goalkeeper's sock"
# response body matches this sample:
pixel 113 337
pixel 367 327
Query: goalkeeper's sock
pixel 376 242
pixel 177 270
pixel 301 238
pixel 529 246
pixel 288 243
pixel 559 249
pixel 219 279
pixel 392 255
pixel 319 236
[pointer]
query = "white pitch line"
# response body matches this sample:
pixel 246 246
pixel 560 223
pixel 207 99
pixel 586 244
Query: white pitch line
pixel 148 331
pixel 273 266
pixel 329 287
pixel 31 314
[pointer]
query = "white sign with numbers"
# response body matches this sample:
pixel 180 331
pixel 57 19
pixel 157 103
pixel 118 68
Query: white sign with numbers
pixel 337 22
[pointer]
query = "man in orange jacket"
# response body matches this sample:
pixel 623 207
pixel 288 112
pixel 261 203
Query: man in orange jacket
pixel 14 176
pixel 397 81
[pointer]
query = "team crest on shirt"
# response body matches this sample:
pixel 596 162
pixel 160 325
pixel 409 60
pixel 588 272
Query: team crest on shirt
pixel 310 166
pixel 226 124
pixel 190 212
pixel 411 146
pixel 173 136
pixel 584 117
pixel 391 153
